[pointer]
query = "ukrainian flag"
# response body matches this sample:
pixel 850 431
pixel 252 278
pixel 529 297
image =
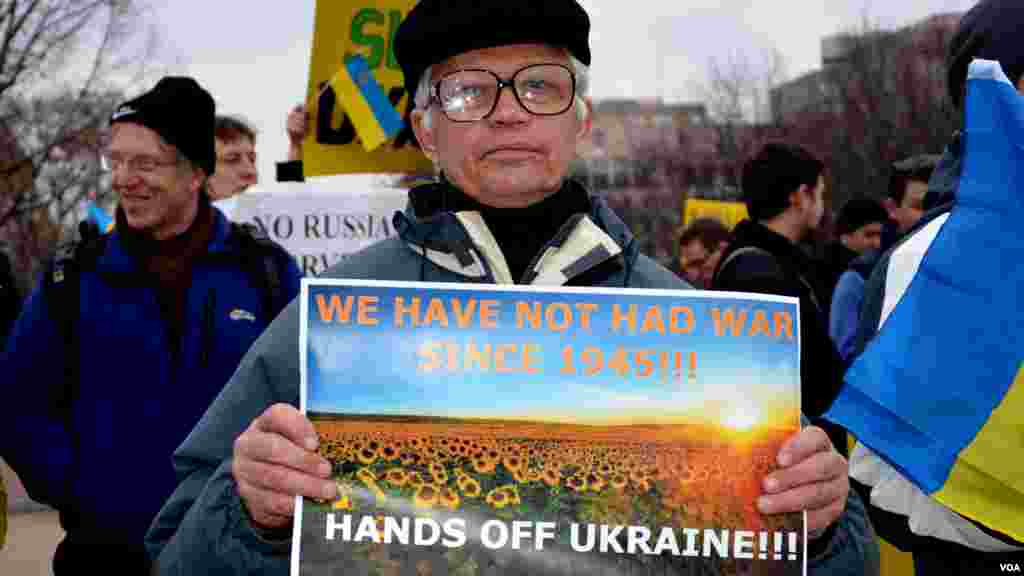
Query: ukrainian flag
pixel 99 216
pixel 372 115
pixel 939 392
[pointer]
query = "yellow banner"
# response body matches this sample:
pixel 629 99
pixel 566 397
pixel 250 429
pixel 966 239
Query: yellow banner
pixel 728 213
pixel 364 27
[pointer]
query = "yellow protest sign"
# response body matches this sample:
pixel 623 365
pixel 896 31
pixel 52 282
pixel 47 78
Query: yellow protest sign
pixel 728 213
pixel 365 27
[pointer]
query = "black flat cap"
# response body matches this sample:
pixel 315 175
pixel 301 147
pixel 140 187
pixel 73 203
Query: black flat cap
pixel 436 30
pixel 991 31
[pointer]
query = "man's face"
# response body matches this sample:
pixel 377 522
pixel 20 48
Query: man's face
pixel 911 208
pixel 157 192
pixel 236 168
pixel 812 205
pixel 698 264
pixel 867 237
pixel 512 158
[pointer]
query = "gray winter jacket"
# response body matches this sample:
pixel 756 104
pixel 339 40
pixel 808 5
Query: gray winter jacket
pixel 203 528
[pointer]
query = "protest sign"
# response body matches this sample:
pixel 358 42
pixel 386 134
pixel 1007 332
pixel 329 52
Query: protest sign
pixel 516 430
pixel 366 28
pixel 320 223
pixel 728 213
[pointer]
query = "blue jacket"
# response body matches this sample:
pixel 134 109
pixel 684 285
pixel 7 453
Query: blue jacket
pixel 107 468
pixel 844 318
pixel 204 529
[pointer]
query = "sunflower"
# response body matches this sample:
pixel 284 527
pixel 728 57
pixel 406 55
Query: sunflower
pixel 426 496
pixel 388 452
pixel 577 483
pixel 397 477
pixel 449 498
pixel 367 476
pixel 513 462
pixel 367 456
pixel 484 465
pixel 497 498
pixel 343 503
pixel 436 468
pixel 470 487
pixel 513 494
pixel 521 476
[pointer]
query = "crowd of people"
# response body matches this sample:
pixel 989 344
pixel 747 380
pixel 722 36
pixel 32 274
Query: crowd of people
pixel 201 315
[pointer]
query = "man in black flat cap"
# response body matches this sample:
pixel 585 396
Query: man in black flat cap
pixel 499 90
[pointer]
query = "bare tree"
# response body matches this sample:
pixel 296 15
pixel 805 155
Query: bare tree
pixel 884 99
pixel 738 95
pixel 64 65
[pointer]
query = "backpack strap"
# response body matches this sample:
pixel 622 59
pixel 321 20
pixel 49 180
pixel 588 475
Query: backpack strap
pixel 736 254
pixel 755 250
pixel 262 259
pixel 61 289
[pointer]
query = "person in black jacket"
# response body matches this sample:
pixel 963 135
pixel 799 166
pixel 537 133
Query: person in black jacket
pixel 10 301
pixel 783 187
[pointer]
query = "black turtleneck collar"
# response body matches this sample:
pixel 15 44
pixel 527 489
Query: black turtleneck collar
pixel 520 232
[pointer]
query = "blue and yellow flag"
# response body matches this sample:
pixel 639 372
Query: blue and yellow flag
pixel 376 121
pixel 939 392
pixel 99 216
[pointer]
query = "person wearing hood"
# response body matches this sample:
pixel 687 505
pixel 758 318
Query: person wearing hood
pixel 941 541
pixel 499 91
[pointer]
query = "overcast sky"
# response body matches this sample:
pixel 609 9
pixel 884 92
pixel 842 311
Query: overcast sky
pixel 254 56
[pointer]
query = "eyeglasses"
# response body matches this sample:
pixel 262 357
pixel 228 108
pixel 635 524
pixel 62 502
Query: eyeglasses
pixel 142 164
pixel 470 95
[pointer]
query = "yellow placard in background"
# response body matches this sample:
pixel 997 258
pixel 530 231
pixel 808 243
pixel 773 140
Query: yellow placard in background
pixel 728 213
pixel 365 27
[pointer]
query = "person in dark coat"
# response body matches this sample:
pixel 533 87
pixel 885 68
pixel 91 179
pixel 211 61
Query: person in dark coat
pixel 783 187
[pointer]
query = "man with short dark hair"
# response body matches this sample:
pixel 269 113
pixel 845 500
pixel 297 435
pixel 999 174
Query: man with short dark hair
pixel 908 187
pixel 783 187
pixel 859 225
pixel 236 168
pixel 500 100
pixel 700 248
pixel 132 334
pixel 859 231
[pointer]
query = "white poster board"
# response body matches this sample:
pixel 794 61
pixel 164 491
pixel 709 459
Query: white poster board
pixel 319 223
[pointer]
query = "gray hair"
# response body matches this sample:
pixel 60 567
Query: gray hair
pixel 422 96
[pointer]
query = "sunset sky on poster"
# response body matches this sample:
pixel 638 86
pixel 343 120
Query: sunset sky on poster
pixel 740 380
